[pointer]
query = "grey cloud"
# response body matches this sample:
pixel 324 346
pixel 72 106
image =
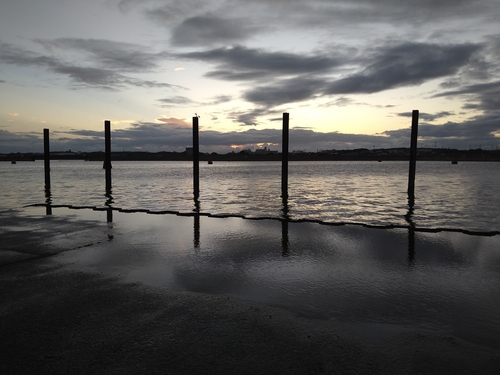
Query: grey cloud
pixel 175 101
pixel 85 133
pixel 234 75
pixel 340 102
pixel 310 76
pixel 220 99
pixel 183 100
pixel 406 64
pixel 329 14
pixel 373 13
pixel 81 76
pixel 94 77
pixel 19 142
pixel 90 76
pixel 174 137
pixel 241 63
pixel 11 54
pixel 169 13
pixel 126 6
pixel 249 117
pixel 150 84
pixel 285 91
pixel 427 116
pixel 483 96
pixel 210 30
pixel 108 54
pixel 472 133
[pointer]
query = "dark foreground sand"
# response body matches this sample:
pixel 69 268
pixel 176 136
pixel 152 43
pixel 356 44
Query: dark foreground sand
pixel 59 319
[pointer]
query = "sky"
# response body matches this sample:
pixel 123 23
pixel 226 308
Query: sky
pixel 348 72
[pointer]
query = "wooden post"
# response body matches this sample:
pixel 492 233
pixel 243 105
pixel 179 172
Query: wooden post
pixel 196 158
pixel 284 157
pixel 46 159
pixel 107 154
pixel 413 157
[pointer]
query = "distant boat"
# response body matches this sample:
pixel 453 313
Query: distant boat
pixel 13 162
pixel 210 162
pixel 454 162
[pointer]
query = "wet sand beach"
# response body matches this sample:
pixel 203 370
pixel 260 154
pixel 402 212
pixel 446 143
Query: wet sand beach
pixel 169 295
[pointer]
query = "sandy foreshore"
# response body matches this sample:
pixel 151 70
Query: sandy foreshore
pixel 61 317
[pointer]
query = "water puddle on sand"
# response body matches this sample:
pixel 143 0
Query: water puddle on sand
pixel 388 279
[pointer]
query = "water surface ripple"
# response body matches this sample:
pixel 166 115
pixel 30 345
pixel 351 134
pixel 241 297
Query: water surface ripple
pixel 463 196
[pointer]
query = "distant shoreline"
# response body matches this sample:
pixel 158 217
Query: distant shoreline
pixel 401 154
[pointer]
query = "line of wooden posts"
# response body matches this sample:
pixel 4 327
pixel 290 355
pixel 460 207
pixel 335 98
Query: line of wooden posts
pixel 196 158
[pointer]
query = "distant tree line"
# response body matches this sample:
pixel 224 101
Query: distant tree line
pixel 387 154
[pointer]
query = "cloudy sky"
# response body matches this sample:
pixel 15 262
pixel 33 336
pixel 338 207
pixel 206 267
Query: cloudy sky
pixel 349 72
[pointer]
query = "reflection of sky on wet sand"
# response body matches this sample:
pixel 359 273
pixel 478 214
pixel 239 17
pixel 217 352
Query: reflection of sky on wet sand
pixel 351 274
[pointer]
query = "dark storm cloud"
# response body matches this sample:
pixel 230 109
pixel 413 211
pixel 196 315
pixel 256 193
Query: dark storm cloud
pixel 427 116
pixel 404 65
pixel 81 76
pixel 210 30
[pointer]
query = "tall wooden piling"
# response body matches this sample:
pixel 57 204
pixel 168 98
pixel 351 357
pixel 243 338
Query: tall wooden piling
pixel 413 157
pixel 196 158
pixel 107 154
pixel 46 159
pixel 284 156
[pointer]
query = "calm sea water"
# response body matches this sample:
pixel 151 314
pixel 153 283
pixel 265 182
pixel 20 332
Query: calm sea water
pixel 463 196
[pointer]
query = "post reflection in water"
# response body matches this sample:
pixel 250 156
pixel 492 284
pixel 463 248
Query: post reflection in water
pixel 411 232
pixel 108 203
pixel 48 201
pixel 196 228
pixel 284 228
